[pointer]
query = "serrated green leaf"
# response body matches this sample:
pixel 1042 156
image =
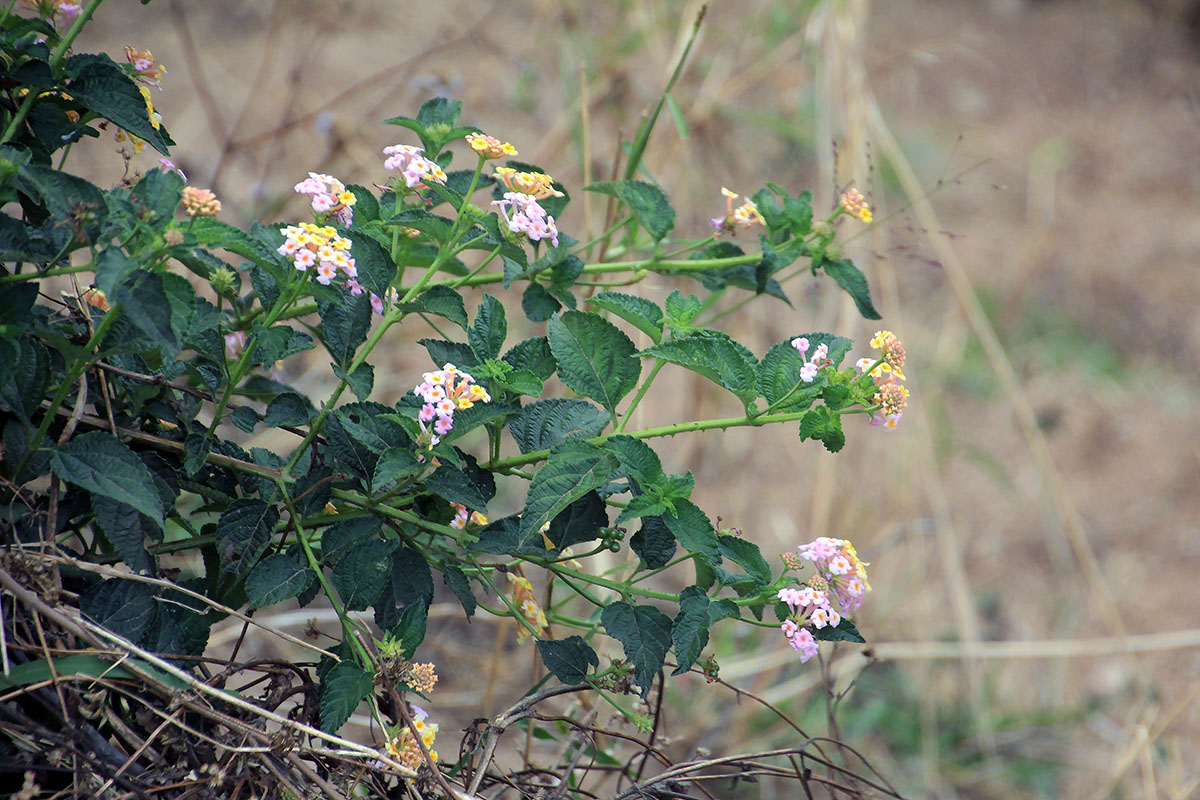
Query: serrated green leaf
pixel 646 202
pixel 97 82
pixel 534 355
pixel 845 631
pixel 443 302
pixel 538 304
pixel 342 689
pixel 276 578
pixel 361 573
pixel 456 353
pixel 490 329
pixel 714 355
pixel 124 607
pixel 574 468
pixel 746 554
pixel 680 310
pixel 243 533
pixel 645 634
pixel 126 529
pixel 568 659
pixel 542 424
pixel 395 464
pixel 689 630
pixel 411 628
pixel 458 583
pixel 643 314
pixel 103 464
pixel 850 278
pixel 361 381
pixel 289 408
pixel 638 459
pixel 692 529
pixel 594 357
pixel 653 543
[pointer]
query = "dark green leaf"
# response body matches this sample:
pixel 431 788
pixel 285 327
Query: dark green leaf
pixel 124 607
pixel 394 465
pixel 444 302
pixel 126 529
pixel 594 357
pixel 542 424
pixel 538 304
pixel 410 628
pixel 491 327
pixel 640 312
pixel 289 408
pixel 689 631
pixel 638 459
pixel 102 464
pixel 715 356
pixel 344 325
pixel 456 579
pixel 844 632
pixel 645 634
pixel 277 578
pixel 361 381
pixel 568 659
pixel 360 574
pixel 574 468
pixel 692 529
pixel 746 554
pixel 456 353
pixel 648 204
pixel 98 83
pixel 243 533
pixel 850 278
pixel 342 689
pixel 534 355
pixel 653 543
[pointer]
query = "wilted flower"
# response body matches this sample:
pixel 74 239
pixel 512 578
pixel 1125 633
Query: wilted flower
pixel 854 204
pixel 490 146
pixel 147 71
pixel 526 602
pixel 329 196
pixel 168 164
pixel 744 216
pixel 887 373
pixel 199 202
pixel 404 748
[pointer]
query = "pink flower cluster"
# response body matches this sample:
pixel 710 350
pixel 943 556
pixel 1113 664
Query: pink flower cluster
pixel 148 71
pixel 311 245
pixel 888 373
pixel 444 392
pixel 527 217
pixel 61 13
pixel 412 165
pixel 462 516
pixel 329 196
pixel 820 358
pixel 840 576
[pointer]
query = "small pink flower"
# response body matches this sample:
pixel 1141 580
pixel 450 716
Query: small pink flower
pixel 804 643
pixel 376 303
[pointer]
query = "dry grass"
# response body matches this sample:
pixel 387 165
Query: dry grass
pixel 1027 506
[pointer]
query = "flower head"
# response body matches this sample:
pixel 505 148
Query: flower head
pixel 404 748
pixel 462 516
pixel 329 196
pixel 489 146
pixel 443 392
pixel 525 215
pixel 744 216
pixel 853 203
pixel 320 247
pixel 526 602
pixel 887 372
pixel 414 167
pixel 145 69
pixel 199 202
pixel 61 13
pixel 538 184
pixel 839 570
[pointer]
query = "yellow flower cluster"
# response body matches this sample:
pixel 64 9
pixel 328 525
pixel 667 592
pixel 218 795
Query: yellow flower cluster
pixel 490 146
pixel 404 747
pixel 538 184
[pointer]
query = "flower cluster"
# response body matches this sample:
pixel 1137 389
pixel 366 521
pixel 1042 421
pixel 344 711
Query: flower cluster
pixel 854 204
pixel 61 13
pixel 311 245
pixel 538 184
pixel 744 216
pixel 412 165
pixel 840 576
pixel 404 747
pixel 526 602
pixel 462 517
pixel 199 202
pixel 490 146
pixel 421 677
pixel 147 71
pixel 887 371
pixel 820 358
pixel 444 392
pixel 329 196
pixel 527 217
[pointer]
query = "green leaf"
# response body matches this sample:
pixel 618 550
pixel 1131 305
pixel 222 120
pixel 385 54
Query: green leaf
pixel 850 278
pixel 376 270
pixel 645 634
pixel 443 302
pixel 126 529
pixel 361 381
pixel 653 543
pixel 342 689
pixel 457 581
pixel 579 522
pixel 819 423
pixel 243 533
pixel 411 627
pixel 491 327
pixel 677 116
pixel 522 381
pixel 102 464
pixel 779 378
pixel 534 355
pixel 648 204
pixel 680 310
pixel 714 355
pixel 456 353
pixel 344 325
pixel 692 529
pixel 543 424
pixel 568 659
pixel 276 578
pixel 746 554
pixel 574 468
pixel 538 304
pixel 643 314
pixel 97 82
pixel 638 459
pixel 342 538
pixel 361 573
pixel 689 631
pixel 65 196
pixel 112 268
pixel 594 357
pixel 844 632
pixel 289 408
pixel 366 207
pixel 124 607
pixel 395 464
pixel 67 667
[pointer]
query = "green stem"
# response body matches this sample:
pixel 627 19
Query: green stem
pixel 50 273
pixel 659 363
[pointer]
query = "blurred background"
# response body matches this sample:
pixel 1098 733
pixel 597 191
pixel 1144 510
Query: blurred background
pixel 1032 526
